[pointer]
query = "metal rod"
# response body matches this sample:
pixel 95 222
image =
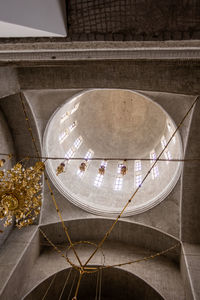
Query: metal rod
pixel 49 287
pixel 137 189
pixel 68 275
pixel 106 158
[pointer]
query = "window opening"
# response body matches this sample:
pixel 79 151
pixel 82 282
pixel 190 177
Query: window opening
pixel 78 142
pixel 98 180
pixel 138 180
pixel 66 115
pixel 63 136
pixel 155 170
pixel 118 183
pixel 138 165
pixel 73 126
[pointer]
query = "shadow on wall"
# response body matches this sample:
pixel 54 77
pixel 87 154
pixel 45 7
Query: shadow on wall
pixel 116 284
pixel 6 146
pixel 133 20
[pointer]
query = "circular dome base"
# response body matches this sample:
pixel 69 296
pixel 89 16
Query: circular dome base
pixel 128 131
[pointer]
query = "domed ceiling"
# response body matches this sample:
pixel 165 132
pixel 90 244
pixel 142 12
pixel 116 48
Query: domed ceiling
pixel 112 124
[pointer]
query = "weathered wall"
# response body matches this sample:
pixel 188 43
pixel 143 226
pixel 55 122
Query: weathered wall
pixel 165 76
pixel 8 81
pixel 116 285
pixel 191 184
pixel 134 20
pixel 6 146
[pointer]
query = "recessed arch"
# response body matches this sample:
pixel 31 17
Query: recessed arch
pixel 117 284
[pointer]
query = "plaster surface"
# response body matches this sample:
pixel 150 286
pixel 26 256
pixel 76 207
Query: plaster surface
pixel 166 215
pixel 116 284
pixel 177 76
pixel 50 263
pixel 6 146
pixel 191 256
pixel 180 76
pixel 9 81
pixel 22 18
pixel 111 123
pixel 191 184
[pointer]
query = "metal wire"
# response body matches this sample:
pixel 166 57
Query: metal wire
pixel 57 249
pixel 195 159
pixel 81 269
pixel 49 287
pixel 97 286
pixel 100 282
pixel 47 181
pixel 141 259
pixel 65 283
pixel 138 188
pixel 70 292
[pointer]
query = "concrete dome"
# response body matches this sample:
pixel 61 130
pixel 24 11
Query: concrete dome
pixel 111 123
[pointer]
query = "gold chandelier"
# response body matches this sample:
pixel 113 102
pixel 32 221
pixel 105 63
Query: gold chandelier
pixel 20 197
pixel 20 194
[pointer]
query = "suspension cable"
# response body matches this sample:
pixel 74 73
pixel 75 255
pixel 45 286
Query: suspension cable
pixel 49 287
pixel 138 188
pixel 47 181
pixel 72 287
pixel 65 283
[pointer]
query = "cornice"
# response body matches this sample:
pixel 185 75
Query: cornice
pixel 77 51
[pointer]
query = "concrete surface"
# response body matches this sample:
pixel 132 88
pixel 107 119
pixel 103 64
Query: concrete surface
pixel 22 18
pixel 25 260
pixel 6 146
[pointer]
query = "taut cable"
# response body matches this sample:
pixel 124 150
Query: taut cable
pixel 137 189
pixel 49 287
pixel 66 281
pixel 47 181
pixel 195 159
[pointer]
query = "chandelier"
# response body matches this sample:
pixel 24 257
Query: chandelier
pixel 20 197
pixel 20 194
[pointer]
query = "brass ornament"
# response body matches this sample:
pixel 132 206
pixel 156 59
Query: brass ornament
pixel 83 269
pixel 123 168
pixel 83 166
pixel 20 194
pixel 102 170
pixel 2 162
pixel 60 169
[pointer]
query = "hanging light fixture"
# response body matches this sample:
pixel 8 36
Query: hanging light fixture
pixel 20 194
pixel 102 168
pixel 123 168
pixel 83 166
pixel 2 162
pixel 60 169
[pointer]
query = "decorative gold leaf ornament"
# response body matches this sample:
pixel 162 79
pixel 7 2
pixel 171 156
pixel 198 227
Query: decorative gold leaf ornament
pixel 2 162
pixel 123 168
pixel 102 170
pixel 83 166
pixel 60 169
pixel 20 194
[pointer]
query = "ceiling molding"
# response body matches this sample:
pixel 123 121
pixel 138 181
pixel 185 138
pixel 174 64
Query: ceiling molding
pixel 98 51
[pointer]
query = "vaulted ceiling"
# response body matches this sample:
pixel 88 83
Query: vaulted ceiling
pixel 145 20
pixel 137 45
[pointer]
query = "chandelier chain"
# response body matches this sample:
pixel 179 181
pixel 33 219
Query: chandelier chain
pixel 45 294
pixel 65 283
pixel 83 268
pixel 195 159
pixel 143 180
pixel 47 181
pixel 113 265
